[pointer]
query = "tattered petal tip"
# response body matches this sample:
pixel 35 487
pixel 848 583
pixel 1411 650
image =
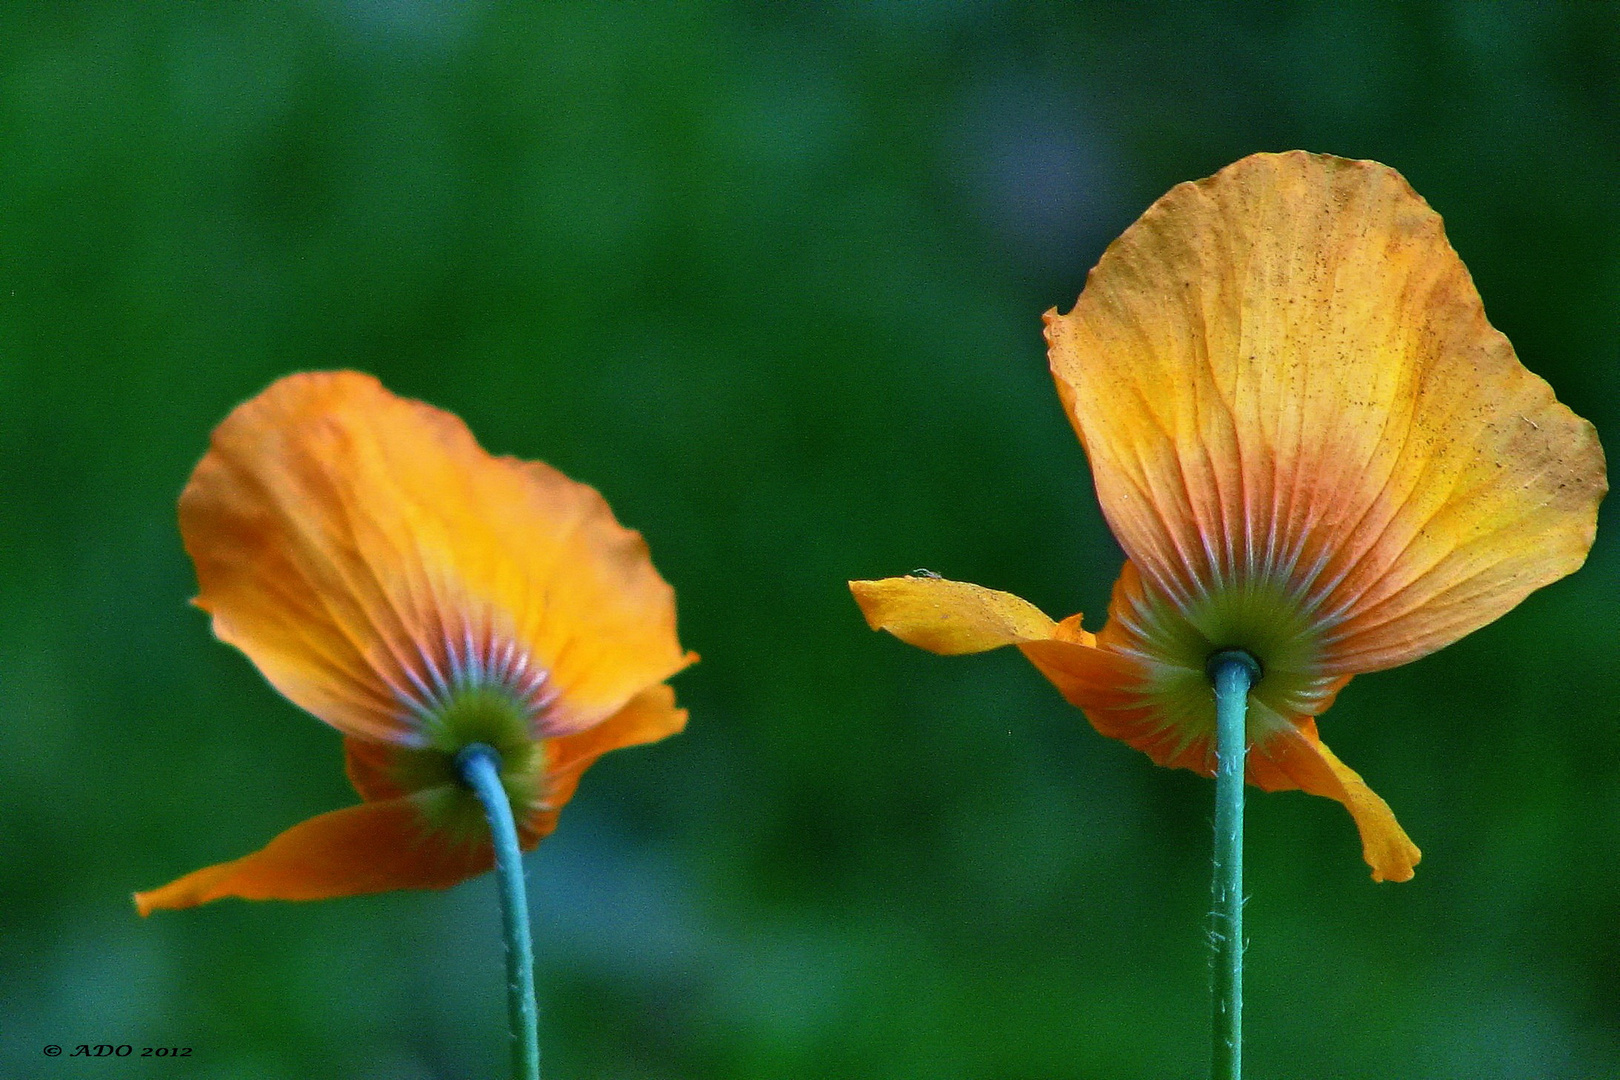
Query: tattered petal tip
pixel 949 617
pixel 371 848
pixel 1284 371
pixel 1073 631
pixel 358 546
pixel 1298 753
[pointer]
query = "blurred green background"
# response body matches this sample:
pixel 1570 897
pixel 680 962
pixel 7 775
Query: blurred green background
pixel 769 277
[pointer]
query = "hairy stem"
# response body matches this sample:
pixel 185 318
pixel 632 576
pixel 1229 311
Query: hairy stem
pixel 1233 673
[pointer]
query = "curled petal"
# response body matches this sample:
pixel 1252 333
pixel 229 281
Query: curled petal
pixel 1106 686
pixel 365 552
pixel 954 617
pixel 370 848
pixel 949 617
pixel 1283 374
pixel 1292 755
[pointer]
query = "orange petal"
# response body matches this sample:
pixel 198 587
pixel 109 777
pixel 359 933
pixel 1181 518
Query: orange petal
pixel 370 768
pixel 1294 756
pixel 1107 686
pixel 352 543
pixel 649 716
pixel 370 848
pixel 1126 697
pixel 950 617
pixel 1283 373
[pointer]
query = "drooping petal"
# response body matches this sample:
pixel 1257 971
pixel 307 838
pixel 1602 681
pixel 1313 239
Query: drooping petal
pixel 649 716
pixel 954 617
pixel 370 848
pixel 1283 374
pixel 1293 755
pixel 364 551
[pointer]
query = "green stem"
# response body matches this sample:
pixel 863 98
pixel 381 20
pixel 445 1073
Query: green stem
pixel 1233 673
pixel 480 769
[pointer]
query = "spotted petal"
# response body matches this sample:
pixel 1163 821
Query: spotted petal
pixel 1283 375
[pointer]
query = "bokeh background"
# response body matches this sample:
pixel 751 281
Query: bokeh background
pixel 770 277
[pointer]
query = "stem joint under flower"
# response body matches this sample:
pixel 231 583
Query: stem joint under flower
pixel 1229 655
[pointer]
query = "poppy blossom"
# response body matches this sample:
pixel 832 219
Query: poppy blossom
pixel 389 576
pixel 1311 446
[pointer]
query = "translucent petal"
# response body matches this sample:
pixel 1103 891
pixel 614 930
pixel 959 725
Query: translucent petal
pixel 370 848
pixel 364 551
pixel 1283 373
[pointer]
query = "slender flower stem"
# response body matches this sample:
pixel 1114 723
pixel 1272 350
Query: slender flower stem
pixel 1233 673
pixel 480 769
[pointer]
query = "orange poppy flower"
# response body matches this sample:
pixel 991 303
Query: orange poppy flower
pixel 390 577
pixel 1311 446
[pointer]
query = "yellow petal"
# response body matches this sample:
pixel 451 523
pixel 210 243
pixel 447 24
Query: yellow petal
pixel 949 617
pixel 1284 374
pixel 359 546
pixel 954 617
